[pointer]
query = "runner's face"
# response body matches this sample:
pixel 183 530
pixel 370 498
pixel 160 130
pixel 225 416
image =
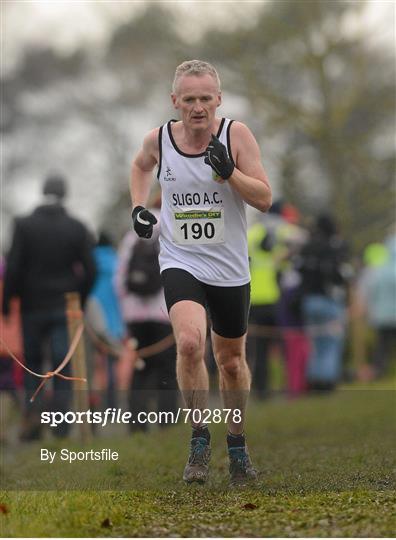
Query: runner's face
pixel 197 98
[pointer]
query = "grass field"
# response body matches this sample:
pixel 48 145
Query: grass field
pixel 327 468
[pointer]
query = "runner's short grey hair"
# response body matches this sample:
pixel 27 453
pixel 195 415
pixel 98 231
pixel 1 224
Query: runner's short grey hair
pixel 194 67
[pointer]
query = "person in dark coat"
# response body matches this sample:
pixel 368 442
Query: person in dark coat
pixel 50 254
pixel 325 273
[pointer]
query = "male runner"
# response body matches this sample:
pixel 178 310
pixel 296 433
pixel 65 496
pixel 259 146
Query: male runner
pixel 208 168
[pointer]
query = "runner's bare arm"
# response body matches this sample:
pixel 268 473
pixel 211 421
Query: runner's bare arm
pixel 142 169
pixel 249 178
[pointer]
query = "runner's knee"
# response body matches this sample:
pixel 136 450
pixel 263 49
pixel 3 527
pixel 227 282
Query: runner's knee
pixel 189 345
pixel 231 366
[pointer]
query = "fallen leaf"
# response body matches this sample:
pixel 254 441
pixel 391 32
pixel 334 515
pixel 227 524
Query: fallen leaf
pixel 250 506
pixel 3 508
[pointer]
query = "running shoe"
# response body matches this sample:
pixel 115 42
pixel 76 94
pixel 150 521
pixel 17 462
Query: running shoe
pixel 241 468
pixel 197 467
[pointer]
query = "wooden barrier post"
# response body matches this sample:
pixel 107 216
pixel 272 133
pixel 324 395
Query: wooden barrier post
pixel 358 351
pixel 74 316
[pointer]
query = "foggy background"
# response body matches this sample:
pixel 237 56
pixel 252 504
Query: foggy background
pixel 82 82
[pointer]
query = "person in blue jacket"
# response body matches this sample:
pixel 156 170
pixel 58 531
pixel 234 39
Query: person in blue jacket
pixel 106 304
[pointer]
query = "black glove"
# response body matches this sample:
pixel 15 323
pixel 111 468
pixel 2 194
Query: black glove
pixel 143 221
pixel 216 156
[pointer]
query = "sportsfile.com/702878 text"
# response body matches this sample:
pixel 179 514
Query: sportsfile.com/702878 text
pixel 117 416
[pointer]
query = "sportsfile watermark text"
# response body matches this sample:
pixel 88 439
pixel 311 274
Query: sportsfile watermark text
pixel 117 416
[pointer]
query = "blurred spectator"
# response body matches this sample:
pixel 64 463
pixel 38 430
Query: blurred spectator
pixel 10 371
pixel 290 239
pixel 363 331
pixel 381 307
pixel 375 255
pixel 139 287
pixel 264 296
pixel 103 310
pixel 324 275
pixel 289 310
pixel 296 343
pixel 50 254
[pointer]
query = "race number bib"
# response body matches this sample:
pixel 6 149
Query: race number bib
pixel 198 226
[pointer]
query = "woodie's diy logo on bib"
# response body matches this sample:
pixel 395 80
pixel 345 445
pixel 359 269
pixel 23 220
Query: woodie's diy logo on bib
pixel 198 226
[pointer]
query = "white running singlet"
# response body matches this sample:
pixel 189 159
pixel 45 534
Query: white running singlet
pixel 203 222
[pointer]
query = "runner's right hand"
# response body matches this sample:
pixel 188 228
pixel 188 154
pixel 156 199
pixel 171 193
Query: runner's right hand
pixel 143 221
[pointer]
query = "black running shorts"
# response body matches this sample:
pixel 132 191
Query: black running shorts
pixel 228 307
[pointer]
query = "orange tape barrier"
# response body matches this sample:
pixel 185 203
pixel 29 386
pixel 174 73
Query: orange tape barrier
pixel 105 347
pixel 56 372
pixel 155 348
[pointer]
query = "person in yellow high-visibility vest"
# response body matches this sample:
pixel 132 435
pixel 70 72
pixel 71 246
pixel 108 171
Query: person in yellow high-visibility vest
pixel 264 296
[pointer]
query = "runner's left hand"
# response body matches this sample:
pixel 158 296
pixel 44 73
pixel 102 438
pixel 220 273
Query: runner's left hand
pixel 216 156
